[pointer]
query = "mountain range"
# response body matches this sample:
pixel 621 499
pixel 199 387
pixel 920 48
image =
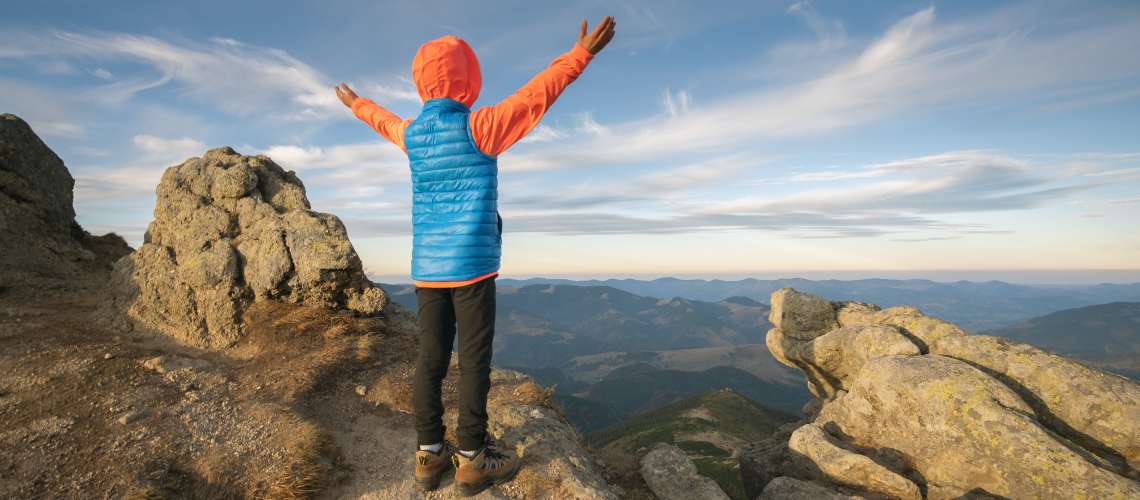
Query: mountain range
pixel 974 306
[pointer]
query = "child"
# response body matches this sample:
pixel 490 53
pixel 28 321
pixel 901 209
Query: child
pixel 458 236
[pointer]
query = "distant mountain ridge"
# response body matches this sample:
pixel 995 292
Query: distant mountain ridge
pixel 976 306
pixel 1105 329
pixel 546 325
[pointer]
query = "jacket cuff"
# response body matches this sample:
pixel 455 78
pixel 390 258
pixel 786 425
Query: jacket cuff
pixel 580 54
pixel 359 103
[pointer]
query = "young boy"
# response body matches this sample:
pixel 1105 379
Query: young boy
pixel 458 236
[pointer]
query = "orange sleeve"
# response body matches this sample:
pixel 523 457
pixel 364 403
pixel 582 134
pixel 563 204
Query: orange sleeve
pixel 381 120
pixel 497 128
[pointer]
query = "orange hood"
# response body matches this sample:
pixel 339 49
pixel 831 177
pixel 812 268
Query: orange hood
pixel 447 67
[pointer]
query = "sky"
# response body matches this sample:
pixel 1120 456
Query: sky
pixel 941 140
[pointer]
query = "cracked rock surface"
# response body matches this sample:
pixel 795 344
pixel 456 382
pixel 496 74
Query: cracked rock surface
pixel 230 230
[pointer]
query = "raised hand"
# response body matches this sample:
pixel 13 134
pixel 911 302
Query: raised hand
pixel 597 40
pixel 348 95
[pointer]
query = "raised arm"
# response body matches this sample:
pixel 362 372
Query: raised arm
pixel 497 128
pixel 381 120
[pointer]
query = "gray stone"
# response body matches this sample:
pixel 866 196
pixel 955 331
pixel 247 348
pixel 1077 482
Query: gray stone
pixel 547 442
pixel 801 315
pixel 963 430
pixel 230 230
pixel 39 237
pixel 671 475
pixel 832 360
pixel 786 488
pixel 830 460
pixel 1097 410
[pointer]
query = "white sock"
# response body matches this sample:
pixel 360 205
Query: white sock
pixel 434 448
pixel 468 454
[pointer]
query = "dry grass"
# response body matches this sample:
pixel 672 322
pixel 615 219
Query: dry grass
pixel 531 484
pixel 304 477
pixel 150 493
pixel 620 470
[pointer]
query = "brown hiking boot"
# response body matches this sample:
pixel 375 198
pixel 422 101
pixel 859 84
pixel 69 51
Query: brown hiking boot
pixel 431 466
pixel 489 466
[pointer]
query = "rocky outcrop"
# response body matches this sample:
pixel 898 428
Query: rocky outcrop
pixel 39 238
pixel 913 407
pixel 230 230
pixel 671 475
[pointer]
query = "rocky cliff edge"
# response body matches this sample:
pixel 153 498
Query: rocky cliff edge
pixel 913 407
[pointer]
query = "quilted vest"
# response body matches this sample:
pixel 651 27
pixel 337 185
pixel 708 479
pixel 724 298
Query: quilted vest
pixel 457 232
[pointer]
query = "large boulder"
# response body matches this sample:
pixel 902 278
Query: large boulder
pixel 230 230
pixel 671 475
pixel 1097 410
pixel 829 460
pixel 547 442
pixel 832 360
pixel 910 406
pixel 39 238
pixel 802 316
pixel 964 430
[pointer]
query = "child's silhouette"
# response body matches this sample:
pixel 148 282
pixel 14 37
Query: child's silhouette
pixel 458 236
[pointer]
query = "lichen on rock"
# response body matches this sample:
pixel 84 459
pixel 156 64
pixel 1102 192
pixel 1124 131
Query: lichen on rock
pixel 229 230
pixel 910 406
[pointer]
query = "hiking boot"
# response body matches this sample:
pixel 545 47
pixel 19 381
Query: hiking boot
pixel 431 466
pixel 489 466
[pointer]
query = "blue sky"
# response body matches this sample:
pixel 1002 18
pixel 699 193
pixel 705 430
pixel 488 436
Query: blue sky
pixel 716 140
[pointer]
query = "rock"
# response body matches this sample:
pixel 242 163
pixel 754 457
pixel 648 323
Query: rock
pixel 922 330
pixel 963 431
pixel 786 488
pixel 164 365
pixel 832 360
pixel 108 356
pixel 1098 411
pixel 230 230
pixel 131 417
pixel 801 315
pixel 362 390
pixel 39 237
pixel 547 442
pixel 671 475
pixel 829 460
pixel 764 461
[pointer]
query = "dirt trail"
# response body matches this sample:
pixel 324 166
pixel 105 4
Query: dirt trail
pixel 90 414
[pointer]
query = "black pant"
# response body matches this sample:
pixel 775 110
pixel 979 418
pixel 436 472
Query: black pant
pixel 472 308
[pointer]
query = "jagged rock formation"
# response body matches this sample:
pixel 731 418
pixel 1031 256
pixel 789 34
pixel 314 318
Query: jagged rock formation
pixel 230 230
pixel 913 407
pixel 39 237
pixel 671 475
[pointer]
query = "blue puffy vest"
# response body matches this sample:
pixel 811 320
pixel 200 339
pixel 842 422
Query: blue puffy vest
pixel 457 232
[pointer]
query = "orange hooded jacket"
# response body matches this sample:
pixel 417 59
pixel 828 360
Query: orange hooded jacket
pixel 447 67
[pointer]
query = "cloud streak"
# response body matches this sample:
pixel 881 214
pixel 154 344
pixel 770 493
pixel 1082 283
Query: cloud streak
pixel 915 63
pixel 235 77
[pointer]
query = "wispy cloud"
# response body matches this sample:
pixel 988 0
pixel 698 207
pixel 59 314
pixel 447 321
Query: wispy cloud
pixel 915 63
pixel 235 77
pixel 1121 171
pixel 1108 203
pixel 954 182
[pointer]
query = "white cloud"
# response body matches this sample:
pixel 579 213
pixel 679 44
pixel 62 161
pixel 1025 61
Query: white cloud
pixel 380 154
pixel 101 73
pixel 915 63
pixel 953 182
pixel 542 133
pixel 1105 203
pixel 590 126
pixel 1121 171
pixel 178 149
pixel 237 78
